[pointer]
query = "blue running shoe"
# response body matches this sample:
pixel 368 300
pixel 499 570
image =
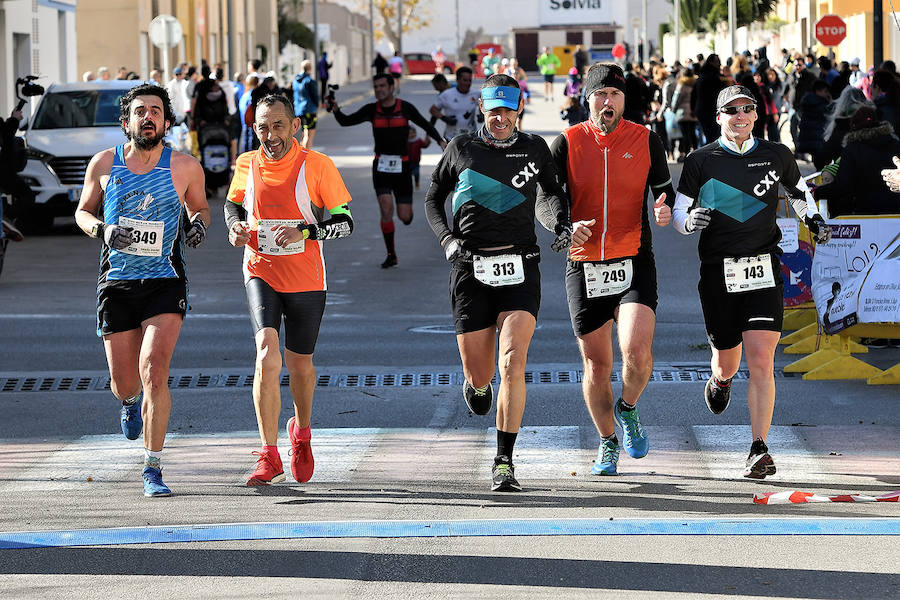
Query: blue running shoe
pixel 634 438
pixel 153 483
pixel 607 458
pixel 132 423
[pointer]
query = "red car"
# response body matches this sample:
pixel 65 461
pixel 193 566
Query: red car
pixel 420 63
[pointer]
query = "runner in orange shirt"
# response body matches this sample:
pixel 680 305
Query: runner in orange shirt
pixel 277 206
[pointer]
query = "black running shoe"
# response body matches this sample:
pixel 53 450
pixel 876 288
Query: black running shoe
pixel 390 261
pixel 503 476
pixel 717 397
pixel 479 402
pixel 759 463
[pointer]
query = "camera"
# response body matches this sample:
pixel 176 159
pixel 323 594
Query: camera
pixel 329 97
pixel 25 87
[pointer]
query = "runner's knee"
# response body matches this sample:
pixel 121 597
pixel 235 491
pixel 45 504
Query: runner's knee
pixel 268 360
pixel 155 372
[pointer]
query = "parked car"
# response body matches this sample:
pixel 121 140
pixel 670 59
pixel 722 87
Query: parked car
pixel 72 122
pixel 420 63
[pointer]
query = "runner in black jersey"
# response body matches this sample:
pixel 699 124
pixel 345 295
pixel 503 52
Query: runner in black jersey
pixel 729 190
pixel 391 169
pixel 495 286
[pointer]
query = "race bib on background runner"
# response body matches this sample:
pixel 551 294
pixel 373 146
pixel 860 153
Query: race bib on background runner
pixel 607 279
pixel 146 237
pixel 390 163
pixel 748 273
pixel 265 237
pixel 497 271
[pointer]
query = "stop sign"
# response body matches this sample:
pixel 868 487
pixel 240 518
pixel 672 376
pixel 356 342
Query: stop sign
pixel 831 30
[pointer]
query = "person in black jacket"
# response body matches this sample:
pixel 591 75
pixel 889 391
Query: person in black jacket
pixel 839 125
pixel 886 96
pixel 703 97
pixel 797 84
pixel 637 96
pixel 814 110
pixel 858 187
pixel 12 160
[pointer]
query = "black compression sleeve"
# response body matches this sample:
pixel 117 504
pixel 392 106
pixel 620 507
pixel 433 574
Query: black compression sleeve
pixel 233 213
pixel 413 114
pixel 366 113
pixel 559 150
pixel 442 182
pixel 338 226
pixel 659 178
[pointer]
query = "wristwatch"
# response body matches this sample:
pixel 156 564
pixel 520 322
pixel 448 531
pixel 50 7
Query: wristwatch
pixel 97 229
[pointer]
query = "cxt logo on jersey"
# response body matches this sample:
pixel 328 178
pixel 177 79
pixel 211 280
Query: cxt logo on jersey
pixel 522 177
pixel 769 179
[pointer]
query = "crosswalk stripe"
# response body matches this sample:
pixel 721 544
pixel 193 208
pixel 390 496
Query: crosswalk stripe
pixel 371 455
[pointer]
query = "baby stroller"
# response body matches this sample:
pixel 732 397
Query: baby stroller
pixel 214 140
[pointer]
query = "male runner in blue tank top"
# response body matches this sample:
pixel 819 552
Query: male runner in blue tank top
pixel 135 198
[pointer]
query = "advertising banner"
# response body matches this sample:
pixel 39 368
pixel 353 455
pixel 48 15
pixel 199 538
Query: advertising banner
pixel 575 12
pixel 856 276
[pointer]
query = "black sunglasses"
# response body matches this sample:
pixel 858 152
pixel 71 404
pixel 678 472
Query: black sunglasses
pixel 733 110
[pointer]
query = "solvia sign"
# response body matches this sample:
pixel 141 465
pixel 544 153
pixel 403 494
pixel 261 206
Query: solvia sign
pixel 575 12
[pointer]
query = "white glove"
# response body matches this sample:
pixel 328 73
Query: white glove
pixel 196 233
pixel 117 237
pixel 453 249
pixel 698 219
pixel 818 228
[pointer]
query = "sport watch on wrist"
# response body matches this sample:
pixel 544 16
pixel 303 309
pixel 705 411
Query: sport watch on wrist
pixel 97 229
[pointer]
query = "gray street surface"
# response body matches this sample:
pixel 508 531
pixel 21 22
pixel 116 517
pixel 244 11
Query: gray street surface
pixel 398 452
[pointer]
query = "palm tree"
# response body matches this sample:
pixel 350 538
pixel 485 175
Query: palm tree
pixel 702 15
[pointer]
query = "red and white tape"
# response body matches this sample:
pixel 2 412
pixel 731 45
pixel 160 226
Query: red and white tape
pixel 804 497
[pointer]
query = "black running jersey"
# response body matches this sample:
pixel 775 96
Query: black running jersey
pixel 389 125
pixel 743 191
pixel 494 192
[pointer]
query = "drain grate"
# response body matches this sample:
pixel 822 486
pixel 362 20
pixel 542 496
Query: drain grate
pixel 72 382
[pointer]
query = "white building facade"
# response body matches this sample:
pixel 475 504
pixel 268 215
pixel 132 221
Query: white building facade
pixel 37 37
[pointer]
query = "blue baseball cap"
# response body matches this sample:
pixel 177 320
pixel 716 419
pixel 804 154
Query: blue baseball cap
pixel 503 95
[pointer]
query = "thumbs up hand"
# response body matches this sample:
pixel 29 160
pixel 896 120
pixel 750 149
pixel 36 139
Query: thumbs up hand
pixel 661 211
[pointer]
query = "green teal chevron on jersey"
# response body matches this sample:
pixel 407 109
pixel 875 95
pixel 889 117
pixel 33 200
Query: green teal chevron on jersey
pixel 729 200
pixel 483 190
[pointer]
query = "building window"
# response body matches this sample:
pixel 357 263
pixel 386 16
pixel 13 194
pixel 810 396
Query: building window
pixel 574 37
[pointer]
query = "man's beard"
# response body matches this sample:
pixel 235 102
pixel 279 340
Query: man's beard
pixel 146 141
pixel 605 127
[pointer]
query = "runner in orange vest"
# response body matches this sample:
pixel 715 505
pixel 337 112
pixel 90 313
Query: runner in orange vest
pixel 283 201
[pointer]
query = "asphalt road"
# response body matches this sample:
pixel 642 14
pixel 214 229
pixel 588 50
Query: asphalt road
pixel 398 454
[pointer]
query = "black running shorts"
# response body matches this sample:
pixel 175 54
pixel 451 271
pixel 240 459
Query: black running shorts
pixel 398 184
pixel 727 316
pixel 122 305
pixel 590 314
pixel 477 305
pixel 308 120
pixel 302 313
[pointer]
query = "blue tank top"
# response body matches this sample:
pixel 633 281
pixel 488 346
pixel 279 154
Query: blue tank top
pixel 158 249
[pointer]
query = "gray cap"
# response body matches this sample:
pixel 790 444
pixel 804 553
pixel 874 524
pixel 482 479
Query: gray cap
pixel 731 93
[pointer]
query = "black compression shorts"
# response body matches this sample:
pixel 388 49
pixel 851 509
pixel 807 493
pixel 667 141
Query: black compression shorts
pixel 308 121
pixel 476 305
pixel 123 305
pixel 398 184
pixel 728 315
pixel 302 313
pixel 590 314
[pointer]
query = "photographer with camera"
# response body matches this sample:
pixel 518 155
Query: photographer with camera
pixel 458 106
pixel 391 169
pixel 13 161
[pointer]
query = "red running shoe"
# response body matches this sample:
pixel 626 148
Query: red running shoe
pixel 268 469
pixel 302 463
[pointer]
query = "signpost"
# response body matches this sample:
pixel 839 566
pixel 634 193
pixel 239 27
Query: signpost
pixel 831 30
pixel 165 32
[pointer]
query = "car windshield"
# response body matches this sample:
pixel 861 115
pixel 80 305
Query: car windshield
pixel 82 108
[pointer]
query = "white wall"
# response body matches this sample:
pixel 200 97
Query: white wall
pixel 19 17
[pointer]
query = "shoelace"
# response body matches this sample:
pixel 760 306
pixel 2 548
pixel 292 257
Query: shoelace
pixel 504 470
pixel 610 453
pixel 263 457
pixel 635 429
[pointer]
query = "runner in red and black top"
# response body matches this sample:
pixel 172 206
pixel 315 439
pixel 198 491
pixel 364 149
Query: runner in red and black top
pixel 391 169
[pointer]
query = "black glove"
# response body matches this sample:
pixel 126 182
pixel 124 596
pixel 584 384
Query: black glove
pixel 698 219
pixel 818 228
pixel 117 237
pixel 449 119
pixel 453 249
pixel 563 240
pixel 196 233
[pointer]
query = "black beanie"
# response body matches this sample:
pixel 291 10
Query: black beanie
pixel 603 75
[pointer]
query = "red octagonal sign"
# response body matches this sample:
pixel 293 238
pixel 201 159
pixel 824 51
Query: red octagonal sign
pixel 831 30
